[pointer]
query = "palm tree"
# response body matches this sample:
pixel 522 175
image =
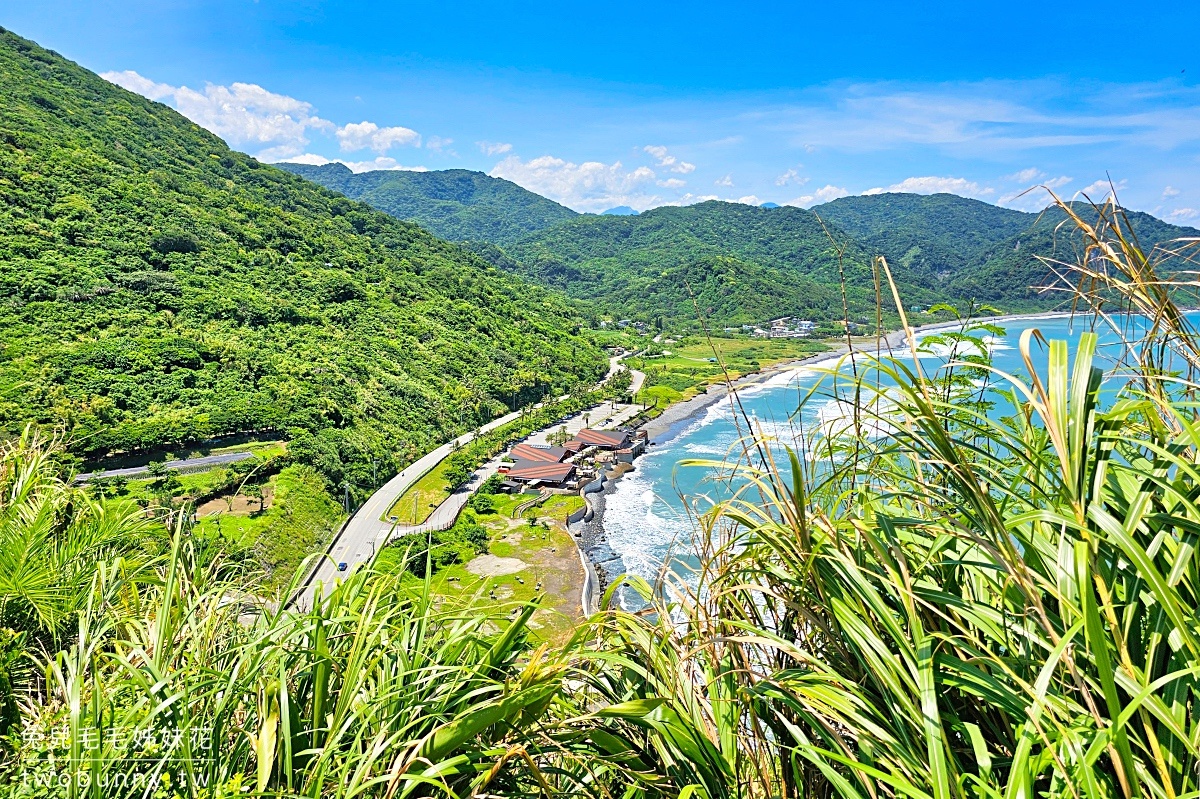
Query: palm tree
pixel 53 537
pixel 55 540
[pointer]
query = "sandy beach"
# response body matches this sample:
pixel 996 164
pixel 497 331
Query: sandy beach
pixel 592 537
pixel 674 418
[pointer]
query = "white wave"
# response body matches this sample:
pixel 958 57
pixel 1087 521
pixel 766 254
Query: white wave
pixel 694 448
pixel 642 526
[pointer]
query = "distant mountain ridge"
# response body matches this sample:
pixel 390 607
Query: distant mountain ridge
pixel 931 231
pixel 453 204
pixel 738 263
pixel 748 262
pixel 973 249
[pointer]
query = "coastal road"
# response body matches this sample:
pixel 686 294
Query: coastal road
pixel 185 464
pixel 364 534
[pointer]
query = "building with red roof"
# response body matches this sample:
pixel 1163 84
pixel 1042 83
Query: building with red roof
pixel 529 452
pixel 604 439
pixel 541 472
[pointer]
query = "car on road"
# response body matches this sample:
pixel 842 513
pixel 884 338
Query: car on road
pixel 342 566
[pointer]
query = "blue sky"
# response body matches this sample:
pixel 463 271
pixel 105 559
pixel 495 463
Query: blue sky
pixel 645 104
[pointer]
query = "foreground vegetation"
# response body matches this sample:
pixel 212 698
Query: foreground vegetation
pixel 985 602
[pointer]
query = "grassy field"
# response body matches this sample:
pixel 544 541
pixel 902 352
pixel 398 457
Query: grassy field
pixel 540 554
pixel 239 529
pixel 300 520
pixel 193 484
pixel 691 364
pixel 559 504
pixel 415 504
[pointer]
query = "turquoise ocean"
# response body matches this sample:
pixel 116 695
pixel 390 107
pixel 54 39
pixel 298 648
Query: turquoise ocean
pixel 645 518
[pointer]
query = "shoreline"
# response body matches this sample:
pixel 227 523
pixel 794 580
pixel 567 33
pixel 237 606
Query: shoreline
pixel 591 536
pixel 674 419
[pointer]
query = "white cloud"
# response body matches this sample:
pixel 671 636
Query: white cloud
pixel 821 195
pixel 985 118
pixel 725 181
pixel 363 135
pixel 1037 177
pixel 1031 199
pixel 243 114
pixel 1025 175
pixel 312 159
pixel 936 185
pixel 493 147
pixel 1183 215
pixel 438 143
pixel 659 152
pixel 672 183
pixel 139 85
pixel 668 161
pixel 248 116
pixel 790 178
pixel 1170 191
pixel 382 162
pixel 1101 190
pixel 590 186
pixel 1035 197
pixel 749 199
pixel 691 199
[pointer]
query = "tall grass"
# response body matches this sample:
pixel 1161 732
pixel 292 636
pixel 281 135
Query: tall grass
pixel 976 604
pixel 996 598
pixel 198 688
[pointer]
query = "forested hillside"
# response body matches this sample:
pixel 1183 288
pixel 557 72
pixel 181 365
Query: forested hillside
pixel 1009 267
pixel 745 264
pixel 455 204
pixel 160 288
pixel 973 250
pixel 939 233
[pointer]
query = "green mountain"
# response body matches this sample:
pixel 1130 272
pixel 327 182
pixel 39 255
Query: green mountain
pixel 454 204
pixel 743 264
pixel 936 233
pixel 160 288
pixel 973 250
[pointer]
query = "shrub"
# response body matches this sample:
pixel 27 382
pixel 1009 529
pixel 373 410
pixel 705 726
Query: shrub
pixel 174 241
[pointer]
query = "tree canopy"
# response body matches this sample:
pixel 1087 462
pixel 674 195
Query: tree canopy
pixel 160 288
pixel 455 204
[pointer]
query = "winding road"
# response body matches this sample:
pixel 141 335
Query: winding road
pixel 364 533
pixel 183 464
